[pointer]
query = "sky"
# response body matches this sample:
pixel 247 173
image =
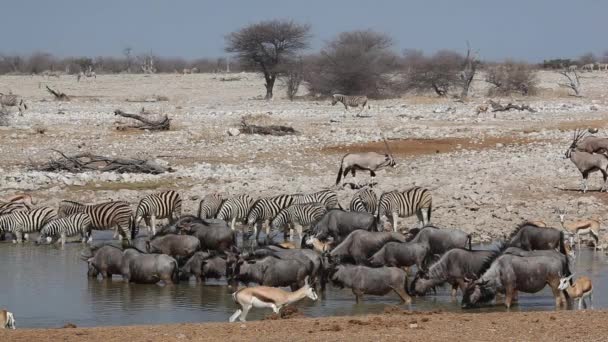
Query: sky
pixel 530 30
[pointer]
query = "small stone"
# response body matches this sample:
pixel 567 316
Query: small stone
pixel 413 325
pixel 499 145
pixel 233 132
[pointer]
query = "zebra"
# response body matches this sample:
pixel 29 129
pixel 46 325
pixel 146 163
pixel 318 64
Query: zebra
pixel 329 198
pixel 298 216
pixel 11 100
pixel 107 215
pixel 9 207
pixel 235 208
pixel 265 209
pixel 162 205
pixel 20 222
pixel 67 226
pixel 209 206
pixel 350 101
pixel 396 204
pixel 365 201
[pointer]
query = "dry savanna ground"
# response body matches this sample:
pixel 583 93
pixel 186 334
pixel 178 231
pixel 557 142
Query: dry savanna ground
pixel 487 171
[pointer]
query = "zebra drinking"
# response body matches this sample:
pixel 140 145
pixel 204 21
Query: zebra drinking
pixel 396 204
pixel 10 100
pixel 350 101
pixel 65 227
pixel 20 222
pixel 235 208
pixel 329 198
pixel 104 216
pixel 209 206
pixel 265 209
pixel 162 205
pixel 298 216
pixel 364 201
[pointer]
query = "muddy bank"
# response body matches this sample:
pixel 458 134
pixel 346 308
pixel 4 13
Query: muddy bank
pixel 396 324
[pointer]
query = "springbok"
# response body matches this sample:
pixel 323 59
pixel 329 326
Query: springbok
pixel 582 287
pixel 7 321
pixel 318 245
pixel 582 227
pixel 268 297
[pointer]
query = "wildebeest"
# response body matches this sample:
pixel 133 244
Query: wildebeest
pixel 144 268
pixel 213 234
pixel 401 254
pixel 530 237
pixel 176 246
pixel 339 224
pixel 268 271
pixel 374 281
pixel 453 267
pixel 365 161
pixel 204 265
pixel 361 244
pixel 106 261
pixel 441 240
pixel 509 274
pixel 566 260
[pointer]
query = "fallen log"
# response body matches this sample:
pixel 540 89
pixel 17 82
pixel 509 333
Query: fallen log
pixel 276 130
pixel 59 96
pixel 497 107
pixel 83 162
pixel 163 124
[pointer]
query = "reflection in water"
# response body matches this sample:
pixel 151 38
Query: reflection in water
pixel 48 287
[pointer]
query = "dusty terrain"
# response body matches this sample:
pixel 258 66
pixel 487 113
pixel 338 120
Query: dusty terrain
pixel 394 325
pixel 487 172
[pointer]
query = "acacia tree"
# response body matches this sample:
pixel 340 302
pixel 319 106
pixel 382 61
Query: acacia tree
pixel 267 45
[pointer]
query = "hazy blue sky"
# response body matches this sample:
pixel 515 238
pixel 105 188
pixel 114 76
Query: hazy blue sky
pixel 522 29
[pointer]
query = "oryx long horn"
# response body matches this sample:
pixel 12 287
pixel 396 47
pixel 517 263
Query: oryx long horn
pixel 387 148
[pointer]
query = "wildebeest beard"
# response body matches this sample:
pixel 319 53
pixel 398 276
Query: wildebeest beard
pixel 486 294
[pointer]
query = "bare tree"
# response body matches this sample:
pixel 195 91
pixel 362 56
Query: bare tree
pixel 439 72
pixel 147 63
pixel 574 82
pixel 468 71
pixel 266 45
pixel 511 77
pixel 355 63
pixel 128 58
pixel 293 76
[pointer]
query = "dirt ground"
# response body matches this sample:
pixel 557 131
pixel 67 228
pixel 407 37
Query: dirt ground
pixel 395 324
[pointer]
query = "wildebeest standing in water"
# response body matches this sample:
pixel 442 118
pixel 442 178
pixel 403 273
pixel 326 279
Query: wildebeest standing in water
pixel 143 268
pixel 338 224
pixel 361 244
pixel 401 254
pixel 374 281
pixel 441 240
pixel 106 261
pixel 530 237
pixel 510 273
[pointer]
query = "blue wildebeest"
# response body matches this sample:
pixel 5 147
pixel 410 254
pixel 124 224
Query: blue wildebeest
pixel 441 240
pixel 530 237
pixel 213 234
pixel 179 247
pixel 141 268
pixel 401 254
pixel 453 268
pixel 361 244
pixel 510 273
pixel 374 281
pixel 268 271
pixel 204 265
pixel 337 223
pixel 106 260
pixel 312 260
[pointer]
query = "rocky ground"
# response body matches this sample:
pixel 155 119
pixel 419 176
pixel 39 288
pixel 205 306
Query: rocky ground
pixel 487 172
pixel 393 325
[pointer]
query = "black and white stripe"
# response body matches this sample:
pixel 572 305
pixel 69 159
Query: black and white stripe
pixel 299 215
pixel 396 204
pixel 265 209
pixel 209 206
pixel 364 201
pixel 21 222
pixel 329 198
pixel 10 100
pixel 235 209
pixel 10 207
pixel 68 226
pixel 350 101
pixel 162 205
pixel 104 216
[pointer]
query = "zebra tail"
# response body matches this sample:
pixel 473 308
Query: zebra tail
pixel 134 229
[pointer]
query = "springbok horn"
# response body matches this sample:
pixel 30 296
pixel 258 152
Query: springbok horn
pixel 306 280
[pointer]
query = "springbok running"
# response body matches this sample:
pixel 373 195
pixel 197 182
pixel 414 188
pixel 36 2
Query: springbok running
pixel 268 297
pixel 7 321
pixel 582 287
pixel 581 227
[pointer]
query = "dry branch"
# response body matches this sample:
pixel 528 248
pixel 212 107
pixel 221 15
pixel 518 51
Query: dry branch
pixel 497 107
pixel 159 125
pixel 59 96
pixel 83 162
pixel 277 130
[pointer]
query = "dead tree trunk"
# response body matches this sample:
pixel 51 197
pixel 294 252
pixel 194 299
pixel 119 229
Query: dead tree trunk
pixel 159 125
pixel 468 72
pixel 59 96
pixel 574 82
pixel 497 107
pixel 89 162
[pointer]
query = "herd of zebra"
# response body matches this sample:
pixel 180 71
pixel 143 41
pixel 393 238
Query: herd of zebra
pixel 294 211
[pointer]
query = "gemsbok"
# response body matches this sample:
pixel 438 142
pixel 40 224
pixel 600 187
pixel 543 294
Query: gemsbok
pixel 268 297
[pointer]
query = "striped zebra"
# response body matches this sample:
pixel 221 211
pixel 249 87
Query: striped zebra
pixel 235 208
pixel 67 226
pixel 327 197
pixel 104 216
pixel 265 209
pixel 364 201
pixel 298 216
pixel 209 206
pixel 396 204
pixel 350 101
pixel 10 100
pixel 162 205
pixel 10 207
pixel 21 222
